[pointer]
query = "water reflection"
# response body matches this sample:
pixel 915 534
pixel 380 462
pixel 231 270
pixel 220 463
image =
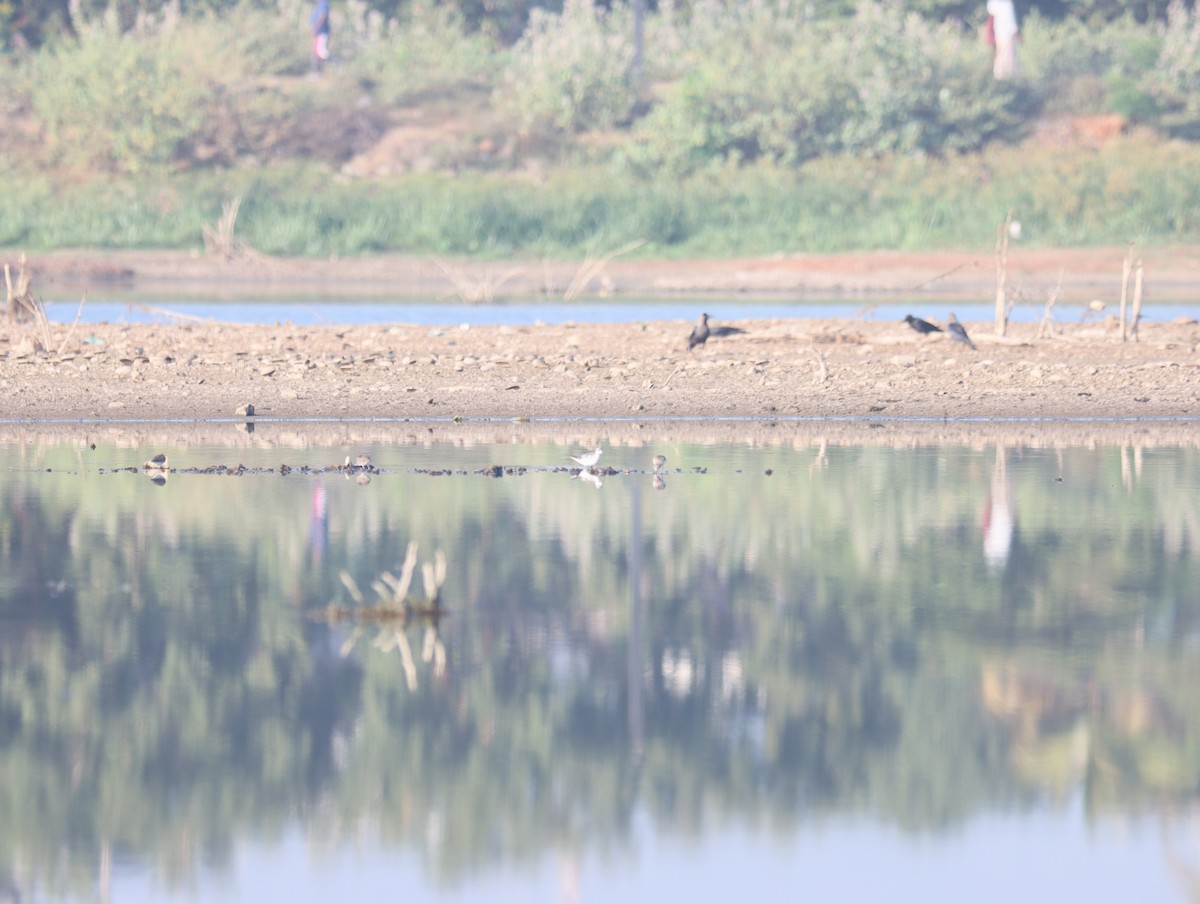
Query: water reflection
pixel 828 643
pixel 998 520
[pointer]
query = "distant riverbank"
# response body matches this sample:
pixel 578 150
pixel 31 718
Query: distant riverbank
pixel 1085 274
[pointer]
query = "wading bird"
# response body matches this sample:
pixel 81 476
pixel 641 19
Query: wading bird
pixel 701 332
pixel 958 333
pixel 590 458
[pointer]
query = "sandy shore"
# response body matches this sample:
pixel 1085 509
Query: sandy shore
pixel 777 370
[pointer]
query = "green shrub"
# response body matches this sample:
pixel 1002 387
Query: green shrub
pixel 1134 187
pixel 570 72
pixel 430 50
pixel 918 87
pixel 168 84
pixel 133 117
pixel 785 88
pixel 1172 84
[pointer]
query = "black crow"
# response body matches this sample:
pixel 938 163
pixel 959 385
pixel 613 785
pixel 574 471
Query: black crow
pixel 922 326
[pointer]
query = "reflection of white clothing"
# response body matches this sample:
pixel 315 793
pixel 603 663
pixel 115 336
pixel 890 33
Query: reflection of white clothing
pixel 1004 29
pixel 998 526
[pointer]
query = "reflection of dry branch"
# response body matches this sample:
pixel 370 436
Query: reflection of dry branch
pixel 592 266
pixel 393 604
pixel 434 575
pixel 394 610
pixel 820 462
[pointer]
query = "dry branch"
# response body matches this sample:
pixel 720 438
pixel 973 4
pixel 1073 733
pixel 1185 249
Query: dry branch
pixel 1136 316
pixel 1002 233
pixel 475 290
pixel 1126 269
pixel 592 266
pixel 1045 327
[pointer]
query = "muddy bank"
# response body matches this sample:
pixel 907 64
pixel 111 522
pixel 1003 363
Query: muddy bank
pixel 1085 274
pixel 776 369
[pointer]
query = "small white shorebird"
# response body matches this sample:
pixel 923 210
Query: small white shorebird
pixel 659 462
pixel 590 458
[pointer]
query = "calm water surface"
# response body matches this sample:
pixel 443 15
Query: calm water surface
pixel 932 673
pixel 310 311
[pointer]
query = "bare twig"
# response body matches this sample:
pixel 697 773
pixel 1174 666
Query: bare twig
pixel 475 290
pixel 74 323
pixel 823 371
pixel 176 315
pixel 21 303
pixel 592 266
pixel 1137 299
pixel 1126 269
pixel 1044 328
pixel 1002 234
pixel 219 239
pixel 23 306
pixel 868 310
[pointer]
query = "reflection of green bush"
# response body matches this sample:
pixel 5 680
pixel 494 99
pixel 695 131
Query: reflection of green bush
pixel 181 698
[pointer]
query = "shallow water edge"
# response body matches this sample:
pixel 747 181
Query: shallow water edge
pixel 798 433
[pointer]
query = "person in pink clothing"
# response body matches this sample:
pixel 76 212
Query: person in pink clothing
pixel 319 25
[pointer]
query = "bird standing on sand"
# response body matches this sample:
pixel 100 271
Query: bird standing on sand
pixel 157 463
pixel 590 458
pixel 702 331
pixel 922 326
pixel 958 333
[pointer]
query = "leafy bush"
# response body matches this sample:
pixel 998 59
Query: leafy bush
pixel 570 72
pixel 134 117
pixel 921 87
pixel 770 83
pixel 1173 83
pixel 166 84
pixel 431 49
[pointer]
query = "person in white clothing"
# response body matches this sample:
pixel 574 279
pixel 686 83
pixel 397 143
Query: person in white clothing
pixel 1002 35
